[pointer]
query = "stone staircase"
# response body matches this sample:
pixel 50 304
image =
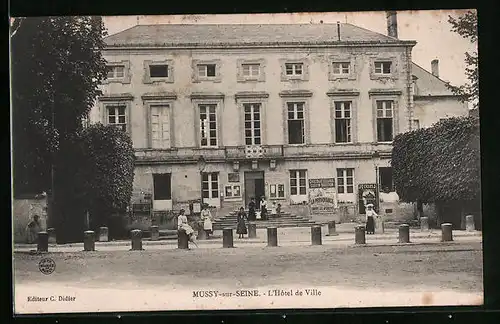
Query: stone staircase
pixel 285 220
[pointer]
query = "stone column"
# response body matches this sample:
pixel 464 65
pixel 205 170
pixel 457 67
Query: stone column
pixel 316 235
pixel 89 241
pixel 52 235
pixel 227 238
pixel 446 232
pixel 332 230
pixel 136 240
pixel 182 240
pixel 424 224
pixel 359 234
pixel 469 223
pixel 103 234
pixel 272 236
pixel 404 233
pixel 155 233
pixel 42 242
pixel 202 235
pixel 252 230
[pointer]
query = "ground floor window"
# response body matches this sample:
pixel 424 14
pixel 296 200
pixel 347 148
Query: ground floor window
pixel 298 182
pixel 385 179
pixel 162 186
pixel 210 185
pixel 277 191
pixel 345 181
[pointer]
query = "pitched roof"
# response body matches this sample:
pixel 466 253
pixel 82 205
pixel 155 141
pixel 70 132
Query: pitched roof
pixel 241 34
pixel 429 84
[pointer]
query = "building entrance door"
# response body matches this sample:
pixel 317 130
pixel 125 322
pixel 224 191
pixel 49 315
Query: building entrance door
pixel 254 186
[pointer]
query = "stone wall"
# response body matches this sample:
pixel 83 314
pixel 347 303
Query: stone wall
pixel 23 211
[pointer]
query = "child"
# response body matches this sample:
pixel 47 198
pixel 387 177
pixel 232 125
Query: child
pixel 273 209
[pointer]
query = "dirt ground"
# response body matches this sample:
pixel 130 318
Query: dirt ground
pixel 412 268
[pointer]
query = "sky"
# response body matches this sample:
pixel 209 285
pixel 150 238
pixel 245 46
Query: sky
pixel 430 28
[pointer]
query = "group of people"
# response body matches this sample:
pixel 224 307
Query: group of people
pixel 255 212
pixel 206 218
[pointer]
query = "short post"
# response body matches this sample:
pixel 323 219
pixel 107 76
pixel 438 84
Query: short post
pixel 89 241
pixel 424 224
pixel 52 235
pixel 469 223
pixel 404 233
pixel 359 235
pixel 316 235
pixel 103 234
pixel 42 242
pixel 379 225
pixel 332 230
pixel 446 232
pixel 182 240
pixel 136 240
pixel 155 233
pixel 252 230
pixel 272 236
pixel 202 235
pixel 227 238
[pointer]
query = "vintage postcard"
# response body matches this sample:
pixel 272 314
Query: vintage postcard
pixel 249 161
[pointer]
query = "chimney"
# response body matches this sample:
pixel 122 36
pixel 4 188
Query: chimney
pixel 338 30
pixel 392 24
pixel 435 68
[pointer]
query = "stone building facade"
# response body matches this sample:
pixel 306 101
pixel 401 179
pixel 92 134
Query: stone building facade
pixel 224 113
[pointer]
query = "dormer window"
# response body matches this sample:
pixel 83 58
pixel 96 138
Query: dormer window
pixel 341 68
pixel 294 69
pixel 115 71
pixel 251 70
pixel 383 67
pixel 158 71
pixel 206 70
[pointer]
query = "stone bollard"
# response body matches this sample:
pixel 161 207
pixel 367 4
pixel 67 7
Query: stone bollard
pixel 136 240
pixel 272 236
pixel 379 225
pixel 52 235
pixel 404 233
pixel 332 230
pixel 469 223
pixel 446 232
pixel 252 230
pixel 359 234
pixel 42 242
pixel 89 241
pixel 155 233
pixel 227 238
pixel 103 234
pixel 202 234
pixel 316 235
pixel 424 224
pixel 182 240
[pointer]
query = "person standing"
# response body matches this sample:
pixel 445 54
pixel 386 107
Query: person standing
pixel 241 227
pixel 206 217
pixel 32 229
pixel 273 209
pixel 370 219
pixel 183 226
pixel 251 210
pixel 263 208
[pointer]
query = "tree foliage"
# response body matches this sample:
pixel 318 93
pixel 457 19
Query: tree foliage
pixel 57 66
pixel 107 171
pixel 440 163
pixel 466 26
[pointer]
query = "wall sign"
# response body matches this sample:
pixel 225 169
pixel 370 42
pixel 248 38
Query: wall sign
pixel 233 177
pixel 367 194
pixel 322 196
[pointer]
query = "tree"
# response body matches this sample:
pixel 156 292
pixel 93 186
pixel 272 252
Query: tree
pixel 439 164
pixel 107 172
pixel 57 66
pixel 466 26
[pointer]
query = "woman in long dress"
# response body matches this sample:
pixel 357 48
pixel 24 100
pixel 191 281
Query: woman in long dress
pixel 183 225
pixel 32 229
pixel 263 208
pixel 206 217
pixel 241 228
pixel 251 210
pixel 370 219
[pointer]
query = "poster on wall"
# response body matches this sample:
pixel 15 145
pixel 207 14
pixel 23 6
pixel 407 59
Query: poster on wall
pixel 367 194
pixel 322 196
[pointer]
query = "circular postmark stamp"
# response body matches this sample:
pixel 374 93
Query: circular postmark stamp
pixel 46 266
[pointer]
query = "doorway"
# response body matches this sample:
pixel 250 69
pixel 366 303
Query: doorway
pixel 254 186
